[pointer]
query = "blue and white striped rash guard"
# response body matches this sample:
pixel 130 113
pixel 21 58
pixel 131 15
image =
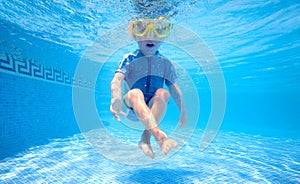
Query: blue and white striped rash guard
pixel 147 73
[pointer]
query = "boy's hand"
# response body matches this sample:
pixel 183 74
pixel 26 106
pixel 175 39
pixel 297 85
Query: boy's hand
pixel 183 120
pixel 116 107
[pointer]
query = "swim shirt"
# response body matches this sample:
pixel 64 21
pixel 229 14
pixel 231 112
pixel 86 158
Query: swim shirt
pixel 147 73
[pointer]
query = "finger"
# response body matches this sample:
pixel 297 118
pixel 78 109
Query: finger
pixel 182 125
pixel 115 114
pixel 117 118
pixel 123 113
pixel 112 110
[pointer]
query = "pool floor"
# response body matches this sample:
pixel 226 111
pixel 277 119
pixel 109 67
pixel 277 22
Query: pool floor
pixel 232 158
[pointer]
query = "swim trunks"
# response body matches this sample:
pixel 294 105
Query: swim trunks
pixel 131 114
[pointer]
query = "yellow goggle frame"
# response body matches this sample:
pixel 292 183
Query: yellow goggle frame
pixel 159 26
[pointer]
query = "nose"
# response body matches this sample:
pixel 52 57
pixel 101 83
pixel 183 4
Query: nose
pixel 150 34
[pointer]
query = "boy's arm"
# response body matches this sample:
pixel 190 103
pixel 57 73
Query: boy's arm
pixel 116 95
pixel 178 98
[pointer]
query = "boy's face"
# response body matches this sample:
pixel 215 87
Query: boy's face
pixel 149 47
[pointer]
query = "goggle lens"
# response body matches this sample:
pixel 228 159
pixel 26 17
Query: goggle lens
pixel 140 27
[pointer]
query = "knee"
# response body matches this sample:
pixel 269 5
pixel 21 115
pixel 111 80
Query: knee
pixel 163 94
pixel 135 94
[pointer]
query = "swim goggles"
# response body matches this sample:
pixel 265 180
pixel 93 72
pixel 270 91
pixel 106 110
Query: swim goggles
pixel 159 26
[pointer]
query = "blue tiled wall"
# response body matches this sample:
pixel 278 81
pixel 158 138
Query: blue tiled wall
pixel 35 104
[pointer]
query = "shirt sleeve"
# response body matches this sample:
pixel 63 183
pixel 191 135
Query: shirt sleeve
pixel 122 65
pixel 171 75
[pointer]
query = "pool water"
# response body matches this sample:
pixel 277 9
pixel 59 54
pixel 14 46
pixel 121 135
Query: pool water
pixel 44 140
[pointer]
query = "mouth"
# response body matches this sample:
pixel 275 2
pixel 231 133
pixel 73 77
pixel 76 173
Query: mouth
pixel 150 45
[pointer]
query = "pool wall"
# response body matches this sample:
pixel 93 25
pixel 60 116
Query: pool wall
pixel 36 89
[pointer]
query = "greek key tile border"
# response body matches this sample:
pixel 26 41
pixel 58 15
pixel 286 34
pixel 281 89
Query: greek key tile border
pixel 29 68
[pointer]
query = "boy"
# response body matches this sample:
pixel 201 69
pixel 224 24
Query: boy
pixel 145 71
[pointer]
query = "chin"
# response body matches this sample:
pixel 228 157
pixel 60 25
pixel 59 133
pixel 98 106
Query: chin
pixel 149 53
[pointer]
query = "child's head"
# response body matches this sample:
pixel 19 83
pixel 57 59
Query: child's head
pixel 149 33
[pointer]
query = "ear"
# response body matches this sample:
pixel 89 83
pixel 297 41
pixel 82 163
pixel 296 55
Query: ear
pixel 130 32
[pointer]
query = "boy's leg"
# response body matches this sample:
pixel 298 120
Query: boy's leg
pixel 135 99
pixel 159 103
pixel 145 145
pixel 158 107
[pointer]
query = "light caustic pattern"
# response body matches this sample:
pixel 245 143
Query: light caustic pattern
pixel 91 64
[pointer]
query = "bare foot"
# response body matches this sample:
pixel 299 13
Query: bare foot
pixel 146 149
pixel 167 144
pixel 144 144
